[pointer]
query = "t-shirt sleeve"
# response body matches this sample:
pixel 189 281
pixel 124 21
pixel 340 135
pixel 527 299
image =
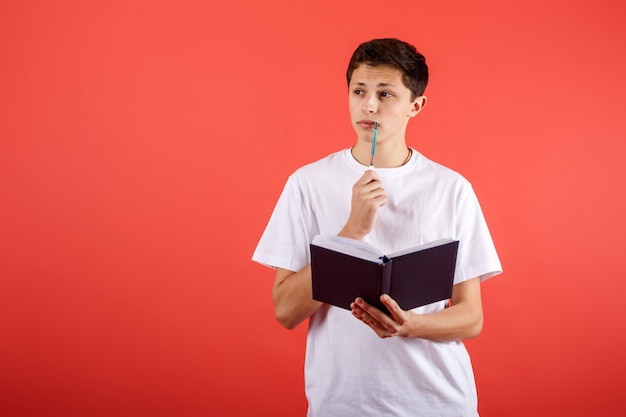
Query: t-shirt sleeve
pixel 477 256
pixel 285 241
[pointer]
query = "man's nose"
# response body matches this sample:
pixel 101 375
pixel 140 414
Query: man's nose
pixel 370 105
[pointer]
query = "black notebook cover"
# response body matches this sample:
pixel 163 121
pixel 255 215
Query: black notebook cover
pixel 413 280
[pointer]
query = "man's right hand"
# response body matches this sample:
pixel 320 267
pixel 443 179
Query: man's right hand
pixel 368 195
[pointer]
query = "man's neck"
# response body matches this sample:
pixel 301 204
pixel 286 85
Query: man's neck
pixel 386 155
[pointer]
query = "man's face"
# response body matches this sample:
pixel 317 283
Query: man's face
pixel 378 94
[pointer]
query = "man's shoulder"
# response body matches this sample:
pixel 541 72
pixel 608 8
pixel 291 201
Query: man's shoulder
pixel 437 170
pixel 323 165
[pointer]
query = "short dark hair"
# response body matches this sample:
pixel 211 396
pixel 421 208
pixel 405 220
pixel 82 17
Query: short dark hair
pixel 397 54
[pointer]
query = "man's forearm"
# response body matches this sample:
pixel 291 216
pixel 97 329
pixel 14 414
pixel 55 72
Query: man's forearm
pixel 293 302
pixel 455 323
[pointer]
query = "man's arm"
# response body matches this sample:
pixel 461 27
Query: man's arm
pixel 463 320
pixel 292 294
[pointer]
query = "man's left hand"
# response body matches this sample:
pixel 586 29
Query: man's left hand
pixel 384 325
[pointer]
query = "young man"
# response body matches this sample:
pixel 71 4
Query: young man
pixel 364 362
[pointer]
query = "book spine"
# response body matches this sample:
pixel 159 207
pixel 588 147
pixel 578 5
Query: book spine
pixel 385 279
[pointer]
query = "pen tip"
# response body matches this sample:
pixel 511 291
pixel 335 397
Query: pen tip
pixel 375 124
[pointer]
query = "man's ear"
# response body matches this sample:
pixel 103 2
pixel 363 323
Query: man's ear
pixel 417 105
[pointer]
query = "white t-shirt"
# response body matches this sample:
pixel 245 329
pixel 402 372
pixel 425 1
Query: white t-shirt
pixel 349 371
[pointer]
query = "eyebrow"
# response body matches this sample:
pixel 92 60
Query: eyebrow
pixel 362 84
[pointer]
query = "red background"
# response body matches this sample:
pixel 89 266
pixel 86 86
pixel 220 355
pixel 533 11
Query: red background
pixel 144 144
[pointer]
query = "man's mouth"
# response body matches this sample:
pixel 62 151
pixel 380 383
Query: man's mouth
pixel 366 123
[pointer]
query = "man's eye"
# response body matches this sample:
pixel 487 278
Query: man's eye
pixel 386 94
pixel 358 92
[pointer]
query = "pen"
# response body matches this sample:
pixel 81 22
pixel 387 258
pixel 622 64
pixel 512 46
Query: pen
pixel 374 144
